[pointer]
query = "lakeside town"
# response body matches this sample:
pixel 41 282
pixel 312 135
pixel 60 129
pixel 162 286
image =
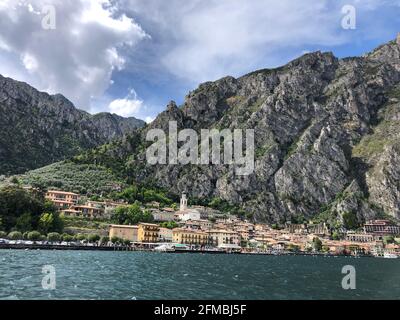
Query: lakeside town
pixel 203 229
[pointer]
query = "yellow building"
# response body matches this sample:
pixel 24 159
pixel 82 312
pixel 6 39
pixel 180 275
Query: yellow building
pixel 188 236
pixel 148 232
pixel 220 237
pixel 124 232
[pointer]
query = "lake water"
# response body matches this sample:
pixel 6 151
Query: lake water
pixel 145 275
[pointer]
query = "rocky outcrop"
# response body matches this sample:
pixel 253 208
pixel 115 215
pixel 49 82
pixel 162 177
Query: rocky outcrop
pixel 307 116
pixel 325 139
pixel 38 129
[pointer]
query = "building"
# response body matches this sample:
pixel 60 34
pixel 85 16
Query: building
pixel 184 202
pixel 185 213
pixel 71 213
pixel 165 235
pixel 198 224
pixel 190 237
pixel 124 232
pixel 244 234
pixel 62 200
pixel 89 211
pixel 218 237
pixel 188 214
pixel 162 215
pixel 381 228
pixel 359 237
pixel 148 232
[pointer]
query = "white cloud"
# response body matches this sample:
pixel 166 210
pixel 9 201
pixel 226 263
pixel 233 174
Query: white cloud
pixel 128 106
pixel 202 40
pixel 149 119
pixel 76 59
pixel 213 38
pixel 29 62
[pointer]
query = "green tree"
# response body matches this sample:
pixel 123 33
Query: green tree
pixel 388 239
pixel 3 234
pixel 34 236
pixel 350 221
pixel 317 244
pixel 335 235
pixel 51 222
pixel 24 222
pixel 16 202
pixel 15 180
pixel 15 235
pixel 131 215
pixel 169 225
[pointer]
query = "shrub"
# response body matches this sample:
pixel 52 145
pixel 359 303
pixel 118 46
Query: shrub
pixel 53 237
pixel 3 234
pixel 93 238
pixel 15 235
pixel 80 237
pixel 115 240
pixel 104 240
pixel 34 236
pixel 67 238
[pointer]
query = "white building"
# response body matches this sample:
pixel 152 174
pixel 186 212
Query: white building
pixel 185 214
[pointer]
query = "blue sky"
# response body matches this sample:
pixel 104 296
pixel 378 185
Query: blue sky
pixel 132 57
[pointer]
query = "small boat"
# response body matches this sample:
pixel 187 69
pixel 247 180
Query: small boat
pixel 164 248
pixel 388 255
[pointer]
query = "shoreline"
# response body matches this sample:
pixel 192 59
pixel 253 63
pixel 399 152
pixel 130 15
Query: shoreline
pixel 49 247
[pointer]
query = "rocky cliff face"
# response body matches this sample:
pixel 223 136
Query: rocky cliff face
pixel 326 137
pixel 38 129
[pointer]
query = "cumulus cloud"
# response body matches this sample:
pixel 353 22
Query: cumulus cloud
pixel 213 38
pixel 128 106
pixel 187 42
pixel 203 40
pixel 149 119
pixel 76 59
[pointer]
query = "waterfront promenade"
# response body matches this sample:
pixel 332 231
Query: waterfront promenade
pixel 60 247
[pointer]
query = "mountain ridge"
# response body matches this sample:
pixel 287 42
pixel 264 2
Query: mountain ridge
pixel 39 128
pixel 322 127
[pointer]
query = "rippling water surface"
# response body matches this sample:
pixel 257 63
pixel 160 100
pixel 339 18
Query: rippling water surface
pixel 139 275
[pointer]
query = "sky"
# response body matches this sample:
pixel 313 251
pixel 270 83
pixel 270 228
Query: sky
pixel 131 57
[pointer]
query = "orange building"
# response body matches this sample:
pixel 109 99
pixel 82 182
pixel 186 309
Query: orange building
pixel 62 200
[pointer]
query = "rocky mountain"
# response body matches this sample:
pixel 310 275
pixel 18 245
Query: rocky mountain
pixel 326 136
pixel 38 129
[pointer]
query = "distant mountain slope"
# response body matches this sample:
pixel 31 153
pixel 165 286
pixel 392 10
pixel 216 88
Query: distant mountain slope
pixel 38 129
pixel 326 137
